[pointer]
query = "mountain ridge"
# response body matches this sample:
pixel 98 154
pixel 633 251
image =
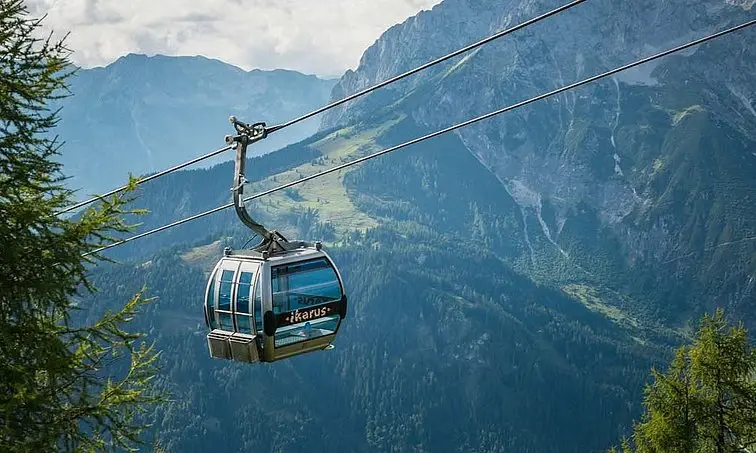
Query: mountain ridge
pixel 135 113
pixel 595 157
pixel 131 56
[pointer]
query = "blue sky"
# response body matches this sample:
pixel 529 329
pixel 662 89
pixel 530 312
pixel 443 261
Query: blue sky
pixel 323 37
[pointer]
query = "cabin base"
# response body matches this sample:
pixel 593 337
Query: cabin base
pixel 239 347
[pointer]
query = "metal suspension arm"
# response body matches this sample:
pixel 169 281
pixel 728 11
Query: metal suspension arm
pixel 246 134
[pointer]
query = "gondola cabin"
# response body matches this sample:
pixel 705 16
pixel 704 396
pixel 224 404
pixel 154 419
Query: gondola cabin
pixel 280 299
pixel 262 308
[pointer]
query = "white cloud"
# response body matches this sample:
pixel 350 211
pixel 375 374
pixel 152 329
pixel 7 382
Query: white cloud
pixel 324 37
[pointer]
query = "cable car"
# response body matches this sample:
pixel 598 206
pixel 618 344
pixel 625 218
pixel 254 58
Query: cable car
pixel 277 300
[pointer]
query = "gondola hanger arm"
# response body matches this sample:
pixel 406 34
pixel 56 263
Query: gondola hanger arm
pixel 246 133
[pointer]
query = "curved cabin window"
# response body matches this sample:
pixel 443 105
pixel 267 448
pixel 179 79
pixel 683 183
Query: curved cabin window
pixel 258 304
pixel 210 303
pixel 224 300
pixel 242 302
pixel 297 289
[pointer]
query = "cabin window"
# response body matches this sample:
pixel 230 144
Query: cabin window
pixel 258 304
pixel 224 300
pixel 242 302
pixel 210 302
pixel 306 330
pixel 303 285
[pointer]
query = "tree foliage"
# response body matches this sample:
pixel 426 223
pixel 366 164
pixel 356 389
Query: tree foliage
pixel 706 401
pixel 69 380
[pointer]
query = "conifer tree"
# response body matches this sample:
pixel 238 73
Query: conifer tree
pixel 706 401
pixel 65 384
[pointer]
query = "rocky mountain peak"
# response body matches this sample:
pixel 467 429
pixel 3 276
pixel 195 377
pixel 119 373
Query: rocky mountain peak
pixel 619 165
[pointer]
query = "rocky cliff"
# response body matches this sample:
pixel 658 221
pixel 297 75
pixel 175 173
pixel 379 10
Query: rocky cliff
pixel 641 184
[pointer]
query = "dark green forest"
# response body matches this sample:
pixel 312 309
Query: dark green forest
pixel 452 334
pixel 420 361
pixel 442 339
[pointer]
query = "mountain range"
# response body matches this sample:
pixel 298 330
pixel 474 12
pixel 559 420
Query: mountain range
pixel 511 284
pixel 142 114
pixel 641 183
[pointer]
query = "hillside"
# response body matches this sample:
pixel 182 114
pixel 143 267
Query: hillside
pixel 443 327
pixel 643 183
pixel 142 114
pixel 444 346
pixel 511 284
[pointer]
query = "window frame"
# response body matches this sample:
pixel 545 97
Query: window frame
pixel 333 307
pixel 329 265
pixel 253 269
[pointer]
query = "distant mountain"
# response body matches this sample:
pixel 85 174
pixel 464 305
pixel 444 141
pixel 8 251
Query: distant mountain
pixel 142 114
pixel 642 184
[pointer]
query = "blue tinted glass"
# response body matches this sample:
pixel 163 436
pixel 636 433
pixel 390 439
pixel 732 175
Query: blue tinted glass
pixel 224 300
pixel 257 304
pixel 245 287
pixel 242 321
pixel 304 285
pixel 210 302
pixel 306 330
pixel 226 322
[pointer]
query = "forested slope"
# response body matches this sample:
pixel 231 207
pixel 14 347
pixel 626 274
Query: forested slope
pixel 510 285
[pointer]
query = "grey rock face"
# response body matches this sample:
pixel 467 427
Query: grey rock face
pixel 603 147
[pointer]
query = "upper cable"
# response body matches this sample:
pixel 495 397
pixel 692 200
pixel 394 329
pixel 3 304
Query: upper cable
pixel 436 133
pixel 269 130
pixel 429 64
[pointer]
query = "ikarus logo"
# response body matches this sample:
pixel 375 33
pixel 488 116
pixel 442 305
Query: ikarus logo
pixel 304 315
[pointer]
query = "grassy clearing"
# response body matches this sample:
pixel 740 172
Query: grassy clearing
pixel 204 256
pixel 589 297
pixel 326 194
pixel 679 115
